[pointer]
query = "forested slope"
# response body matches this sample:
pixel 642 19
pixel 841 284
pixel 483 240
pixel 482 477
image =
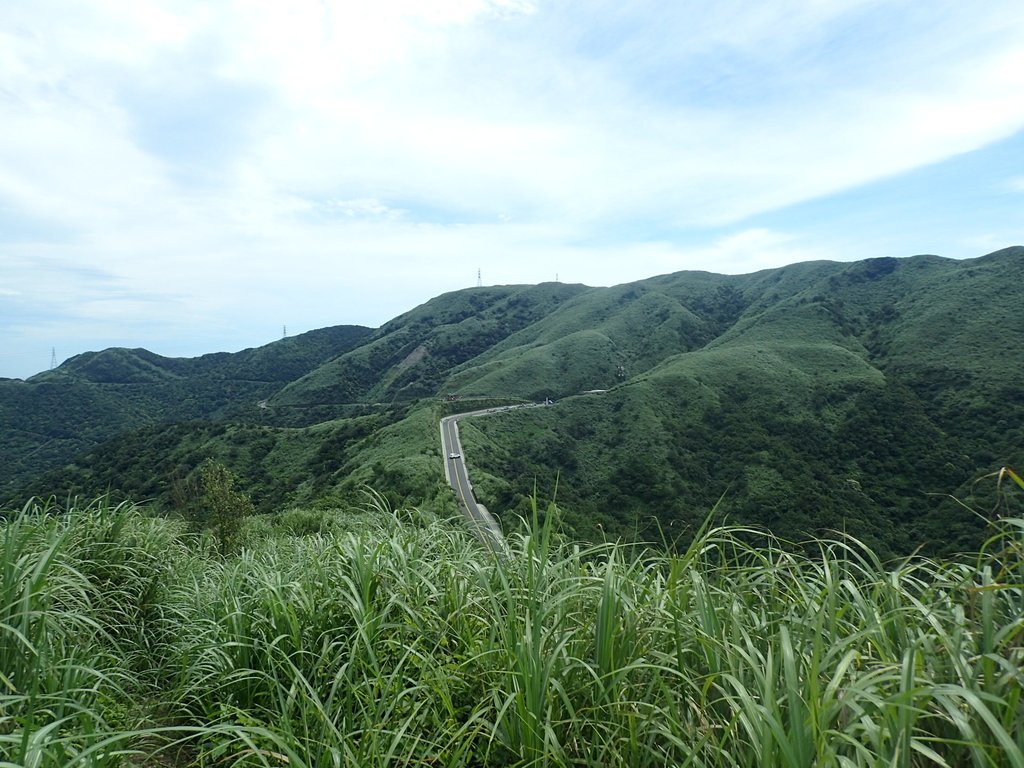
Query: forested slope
pixel 818 396
pixel 56 415
pixel 857 397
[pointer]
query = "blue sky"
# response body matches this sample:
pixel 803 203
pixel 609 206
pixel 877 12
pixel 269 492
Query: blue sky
pixel 191 177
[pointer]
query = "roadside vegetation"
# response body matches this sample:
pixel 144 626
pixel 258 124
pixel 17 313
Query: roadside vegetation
pixel 389 637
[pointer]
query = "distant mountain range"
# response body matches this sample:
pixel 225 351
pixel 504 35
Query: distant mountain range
pixel 819 395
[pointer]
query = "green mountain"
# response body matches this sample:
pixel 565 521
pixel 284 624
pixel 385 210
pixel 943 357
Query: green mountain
pixel 818 396
pixel 841 396
pixel 413 355
pixel 59 414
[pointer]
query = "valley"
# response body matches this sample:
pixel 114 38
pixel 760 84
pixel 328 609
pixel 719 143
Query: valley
pixel 866 397
pixel 754 520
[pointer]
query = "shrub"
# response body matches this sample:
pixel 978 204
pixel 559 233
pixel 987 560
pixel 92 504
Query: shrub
pixel 224 506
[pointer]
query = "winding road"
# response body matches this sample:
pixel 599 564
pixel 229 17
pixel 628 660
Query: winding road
pixel 480 520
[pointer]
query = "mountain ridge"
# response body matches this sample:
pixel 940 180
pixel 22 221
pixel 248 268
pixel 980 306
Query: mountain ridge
pixel 751 364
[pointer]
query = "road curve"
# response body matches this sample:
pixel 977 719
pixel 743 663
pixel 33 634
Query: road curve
pixel 483 525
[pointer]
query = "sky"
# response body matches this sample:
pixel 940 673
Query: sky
pixel 193 177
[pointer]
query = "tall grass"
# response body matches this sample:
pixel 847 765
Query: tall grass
pixel 81 615
pixel 400 642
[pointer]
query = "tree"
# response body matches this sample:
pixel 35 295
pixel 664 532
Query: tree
pixel 224 507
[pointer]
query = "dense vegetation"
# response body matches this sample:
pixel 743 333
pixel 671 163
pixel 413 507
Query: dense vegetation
pixel 852 397
pixel 863 461
pixel 390 638
pixel 93 397
pixel 817 397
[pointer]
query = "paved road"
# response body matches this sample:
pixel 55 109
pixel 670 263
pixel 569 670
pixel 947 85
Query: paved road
pixel 480 521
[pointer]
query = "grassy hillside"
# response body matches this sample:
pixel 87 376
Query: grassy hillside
pixel 57 415
pixel 600 338
pixel 411 356
pixel 378 638
pixel 324 464
pixel 852 396
pixel 840 397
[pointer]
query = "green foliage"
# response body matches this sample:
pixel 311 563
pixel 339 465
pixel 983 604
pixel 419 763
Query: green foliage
pixel 91 398
pixel 398 641
pixel 837 405
pixel 85 612
pixel 277 466
pixel 412 356
pixel 839 397
pixel 815 397
pixel 222 507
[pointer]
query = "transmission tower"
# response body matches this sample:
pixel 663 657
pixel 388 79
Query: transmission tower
pixel 53 358
pixel 479 279
pixel 284 331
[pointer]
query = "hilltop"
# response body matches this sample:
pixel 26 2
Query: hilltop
pixel 815 396
pixel 851 397
pixel 93 397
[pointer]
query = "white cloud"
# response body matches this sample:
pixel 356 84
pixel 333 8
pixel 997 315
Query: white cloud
pixel 574 137
pixel 755 249
pixel 440 105
pixel 989 242
pixel 738 252
pixel 283 154
pixel 360 207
